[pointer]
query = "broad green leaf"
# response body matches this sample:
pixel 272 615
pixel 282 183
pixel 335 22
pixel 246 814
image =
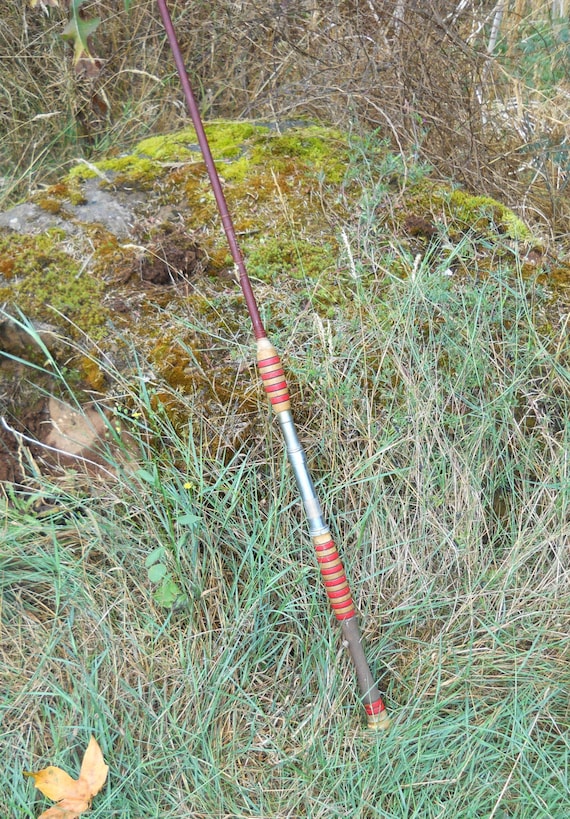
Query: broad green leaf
pixel 78 30
pixel 148 477
pixel 157 572
pixel 156 555
pixel 188 520
pixel 168 593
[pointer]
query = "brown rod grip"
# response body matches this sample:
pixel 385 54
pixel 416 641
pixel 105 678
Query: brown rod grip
pixel 376 714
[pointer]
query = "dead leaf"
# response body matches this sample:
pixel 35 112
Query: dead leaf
pixel 73 796
pixel 68 809
pixel 93 769
pixel 77 31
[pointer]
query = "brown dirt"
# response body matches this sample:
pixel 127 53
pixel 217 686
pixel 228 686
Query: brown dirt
pixel 170 255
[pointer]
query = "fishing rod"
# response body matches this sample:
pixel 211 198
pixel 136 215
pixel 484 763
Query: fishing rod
pixel 275 385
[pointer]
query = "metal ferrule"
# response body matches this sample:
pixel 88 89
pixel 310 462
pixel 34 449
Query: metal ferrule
pixel 298 461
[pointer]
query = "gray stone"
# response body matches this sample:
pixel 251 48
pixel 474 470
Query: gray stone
pixel 115 210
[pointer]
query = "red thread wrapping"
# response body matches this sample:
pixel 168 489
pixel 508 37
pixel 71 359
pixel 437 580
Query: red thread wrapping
pixel 374 708
pixel 339 593
pixel 281 385
pixel 279 399
pixel 334 578
pixel 330 584
pixel 344 615
pixel 331 574
pixel 320 547
pixel 265 362
pixel 270 376
pixel 273 373
pixel 270 369
pixel 328 558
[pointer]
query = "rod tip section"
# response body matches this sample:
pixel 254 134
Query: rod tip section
pixel 378 722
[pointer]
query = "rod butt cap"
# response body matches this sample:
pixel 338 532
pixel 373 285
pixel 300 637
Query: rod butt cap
pixel 378 722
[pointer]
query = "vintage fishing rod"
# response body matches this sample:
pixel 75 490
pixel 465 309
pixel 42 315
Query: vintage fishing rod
pixel 273 378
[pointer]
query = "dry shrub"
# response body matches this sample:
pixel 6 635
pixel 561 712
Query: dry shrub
pixel 425 74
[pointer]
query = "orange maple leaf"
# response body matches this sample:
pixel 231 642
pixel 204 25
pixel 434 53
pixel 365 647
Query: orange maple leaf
pixel 73 796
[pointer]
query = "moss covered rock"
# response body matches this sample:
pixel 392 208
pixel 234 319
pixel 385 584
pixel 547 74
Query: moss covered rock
pixel 122 253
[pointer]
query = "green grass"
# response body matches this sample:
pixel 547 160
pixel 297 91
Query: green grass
pixel 434 411
pixel 434 406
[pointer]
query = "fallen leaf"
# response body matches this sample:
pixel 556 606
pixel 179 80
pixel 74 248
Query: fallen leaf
pixel 67 809
pixel 93 769
pixel 73 796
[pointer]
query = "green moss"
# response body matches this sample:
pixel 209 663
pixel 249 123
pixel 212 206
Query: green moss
pixel 271 192
pixel 236 171
pixel 134 169
pixel 274 184
pixel 51 204
pixel 432 207
pixel 324 150
pixel 80 172
pixel 170 147
pixel 298 259
pixel 75 193
pixel 49 285
pixel 288 195
pixel 54 198
pixel 226 141
pixel 488 214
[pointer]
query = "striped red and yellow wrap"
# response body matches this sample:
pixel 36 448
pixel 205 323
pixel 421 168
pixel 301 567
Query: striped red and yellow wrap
pixel 334 577
pixel 272 375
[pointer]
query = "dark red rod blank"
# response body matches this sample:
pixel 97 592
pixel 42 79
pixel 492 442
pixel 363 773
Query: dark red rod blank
pixel 227 223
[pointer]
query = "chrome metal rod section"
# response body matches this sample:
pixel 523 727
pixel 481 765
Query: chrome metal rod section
pixel 298 461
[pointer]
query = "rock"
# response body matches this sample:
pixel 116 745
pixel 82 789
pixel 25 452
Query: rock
pixel 54 437
pixel 72 437
pixel 23 342
pixel 31 218
pixel 113 210
pixel 119 275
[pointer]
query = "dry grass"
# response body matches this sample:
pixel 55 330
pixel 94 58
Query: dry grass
pixel 434 411
pixel 444 472
pixel 481 97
